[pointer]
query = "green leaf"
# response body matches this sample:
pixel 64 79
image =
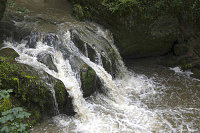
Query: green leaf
pixel 5 93
pixel 5 129
pixel 7 118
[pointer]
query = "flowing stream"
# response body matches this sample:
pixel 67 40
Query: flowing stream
pixel 145 98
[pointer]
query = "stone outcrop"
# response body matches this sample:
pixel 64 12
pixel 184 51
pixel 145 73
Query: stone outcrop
pixel 134 36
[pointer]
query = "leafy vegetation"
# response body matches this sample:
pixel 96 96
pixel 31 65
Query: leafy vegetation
pixel 20 9
pixel 11 3
pixel 5 93
pixel 23 10
pixel 12 120
pixel 184 10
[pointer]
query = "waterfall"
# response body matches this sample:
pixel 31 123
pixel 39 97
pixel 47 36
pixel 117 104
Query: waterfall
pixel 64 62
pixel 62 50
pixel 120 109
pixel 72 54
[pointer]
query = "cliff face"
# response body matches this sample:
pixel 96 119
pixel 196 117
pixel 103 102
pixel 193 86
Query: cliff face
pixel 2 7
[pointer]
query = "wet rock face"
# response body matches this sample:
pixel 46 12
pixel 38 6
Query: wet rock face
pixel 2 7
pixel 30 88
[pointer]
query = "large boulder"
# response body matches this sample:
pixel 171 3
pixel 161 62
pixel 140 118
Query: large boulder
pixel 134 35
pixel 138 39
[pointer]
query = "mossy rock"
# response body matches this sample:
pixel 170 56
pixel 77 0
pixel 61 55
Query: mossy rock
pixel 78 12
pixel 88 77
pixel 29 90
pixel 28 87
pixel 63 99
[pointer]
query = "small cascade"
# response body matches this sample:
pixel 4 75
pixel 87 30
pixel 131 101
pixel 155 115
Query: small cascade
pixel 122 70
pixel 86 50
pixel 98 59
pixel 103 75
pixel 68 77
pixel 51 88
pixel 105 78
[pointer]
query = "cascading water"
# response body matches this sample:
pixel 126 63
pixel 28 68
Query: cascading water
pixel 62 52
pixel 132 101
pixel 51 88
pixel 121 109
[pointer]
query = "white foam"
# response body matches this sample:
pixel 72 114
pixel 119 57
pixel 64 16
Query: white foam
pixel 178 70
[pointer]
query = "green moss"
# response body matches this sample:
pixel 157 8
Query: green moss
pixel 23 10
pixel 78 12
pixel 11 3
pixel 81 12
pixel 60 92
pixel 187 66
pixel 35 117
pixel 5 104
pixel 88 81
pixel 63 99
